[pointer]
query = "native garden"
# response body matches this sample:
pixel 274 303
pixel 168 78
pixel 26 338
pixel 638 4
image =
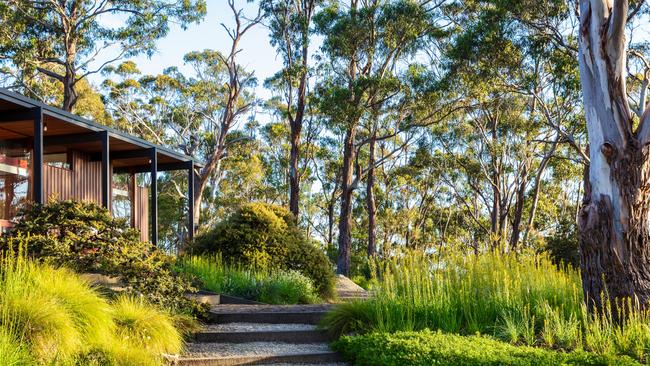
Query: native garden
pixel 324 182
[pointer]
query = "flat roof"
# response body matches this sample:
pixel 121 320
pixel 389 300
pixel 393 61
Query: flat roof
pixel 61 123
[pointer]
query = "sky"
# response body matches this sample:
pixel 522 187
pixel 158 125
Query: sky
pixel 257 54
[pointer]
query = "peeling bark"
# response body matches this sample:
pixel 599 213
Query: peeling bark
pixel 614 238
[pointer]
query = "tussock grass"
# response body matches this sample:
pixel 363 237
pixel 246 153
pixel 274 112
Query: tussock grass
pixel 270 286
pixel 523 300
pixel 51 316
pixel 143 326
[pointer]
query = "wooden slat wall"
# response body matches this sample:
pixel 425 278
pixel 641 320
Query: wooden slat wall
pixel 141 211
pixel 83 183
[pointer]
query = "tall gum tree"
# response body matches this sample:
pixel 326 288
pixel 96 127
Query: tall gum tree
pixel 289 26
pixel 614 237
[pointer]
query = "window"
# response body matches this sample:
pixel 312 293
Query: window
pixel 14 180
pixel 122 206
pixel 61 160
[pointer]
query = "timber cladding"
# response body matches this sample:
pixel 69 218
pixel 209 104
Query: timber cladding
pixel 83 183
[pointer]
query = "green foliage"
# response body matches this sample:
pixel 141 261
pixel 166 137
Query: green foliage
pixel 51 316
pixel 267 237
pixel 86 238
pixel 464 294
pixel 562 246
pixel 524 300
pixel 12 352
pixel 435 348
pixel 268 286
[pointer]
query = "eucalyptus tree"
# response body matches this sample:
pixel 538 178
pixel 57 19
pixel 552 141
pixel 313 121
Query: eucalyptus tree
pixel 364 43
pixel 290 23
pixel 72 39
pixel 614 229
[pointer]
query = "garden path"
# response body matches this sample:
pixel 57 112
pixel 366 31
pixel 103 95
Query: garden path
pixel 258 334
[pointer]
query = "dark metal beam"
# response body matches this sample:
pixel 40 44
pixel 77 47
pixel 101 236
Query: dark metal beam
pixel 164 167
pixel 190 199
pixel 106 169
pixel 16 115
pixel 154 195
pixel 37 160
pixel 125 154
pixel 74 138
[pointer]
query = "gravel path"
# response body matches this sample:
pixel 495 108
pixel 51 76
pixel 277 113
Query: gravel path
pixel 252 349
pixel 308 364
pixel 256 327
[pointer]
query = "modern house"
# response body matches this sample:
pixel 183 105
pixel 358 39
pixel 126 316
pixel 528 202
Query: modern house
pixel 47 153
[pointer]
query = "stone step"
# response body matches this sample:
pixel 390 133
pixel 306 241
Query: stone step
pixel 256 353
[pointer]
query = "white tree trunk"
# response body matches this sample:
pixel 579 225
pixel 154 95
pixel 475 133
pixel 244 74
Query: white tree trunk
pixel 614 245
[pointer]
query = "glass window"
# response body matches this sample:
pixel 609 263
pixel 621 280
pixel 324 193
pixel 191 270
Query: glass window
pixel 14 180
pixel 61 160
pixel 122 206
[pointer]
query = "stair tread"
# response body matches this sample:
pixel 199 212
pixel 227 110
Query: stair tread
pixel 257 327
pixel 253 349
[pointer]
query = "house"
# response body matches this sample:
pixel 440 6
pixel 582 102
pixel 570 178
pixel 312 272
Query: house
pixel 47 153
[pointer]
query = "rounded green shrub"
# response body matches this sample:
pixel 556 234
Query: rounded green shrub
pixel 267 236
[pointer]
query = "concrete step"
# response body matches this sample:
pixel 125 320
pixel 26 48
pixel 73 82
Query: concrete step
pixel 267 317
pixel 256 353
pixel 275 314
pixel 289 336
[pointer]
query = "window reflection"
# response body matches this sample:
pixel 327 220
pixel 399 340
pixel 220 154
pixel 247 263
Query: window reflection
pixel 122 205
pixel 14 181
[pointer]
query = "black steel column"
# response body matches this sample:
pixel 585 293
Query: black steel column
pixel 190 199
pixel 154 195
pixel 106 170
pixel 37 159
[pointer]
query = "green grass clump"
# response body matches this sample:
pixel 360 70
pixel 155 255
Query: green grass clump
pixel 272 286
pixel 51 316
pixel 435 348
pixel 464 294
pixel 145 327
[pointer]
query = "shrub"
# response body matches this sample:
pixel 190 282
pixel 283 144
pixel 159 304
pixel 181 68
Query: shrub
pixel 269 286
pixel 562 246
pixel 267 236
pixel 435 348
pixel 85 237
